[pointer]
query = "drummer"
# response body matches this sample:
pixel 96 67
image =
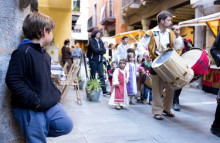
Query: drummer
pixel 158 40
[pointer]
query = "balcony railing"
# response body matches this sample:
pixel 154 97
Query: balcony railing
pixel 126 3
pixel 77 28
pixel 107 13
pixel 92 24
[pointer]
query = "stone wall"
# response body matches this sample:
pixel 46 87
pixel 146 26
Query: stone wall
pixel 11 19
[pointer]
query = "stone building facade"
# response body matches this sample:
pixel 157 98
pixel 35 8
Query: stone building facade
pixel 11 34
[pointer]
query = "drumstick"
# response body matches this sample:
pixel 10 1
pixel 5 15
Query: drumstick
pixel 157 53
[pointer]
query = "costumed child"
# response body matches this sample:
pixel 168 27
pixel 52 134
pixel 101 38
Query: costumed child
pixel 146 79
pixel 139 79
pixel 132 83
pixel 119 97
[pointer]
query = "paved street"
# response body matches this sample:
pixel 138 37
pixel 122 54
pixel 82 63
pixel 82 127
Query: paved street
pixel 97 122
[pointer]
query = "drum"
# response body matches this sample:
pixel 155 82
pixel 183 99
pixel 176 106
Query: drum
pixel 148 81
pixel 172 69
pixel 198 60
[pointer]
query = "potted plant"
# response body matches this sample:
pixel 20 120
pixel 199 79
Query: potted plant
pixel 81 82
pixel 93 89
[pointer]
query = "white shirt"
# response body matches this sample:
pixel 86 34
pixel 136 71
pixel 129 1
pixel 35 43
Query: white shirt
pixel 163 38
pixel 122 51
pixel 114 54
pixel 178 42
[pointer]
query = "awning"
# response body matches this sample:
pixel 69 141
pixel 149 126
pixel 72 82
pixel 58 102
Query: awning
pixel 212 20
pixel 136 35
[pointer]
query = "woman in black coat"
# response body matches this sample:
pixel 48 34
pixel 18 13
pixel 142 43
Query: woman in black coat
pixel 96 50
pixel 215 52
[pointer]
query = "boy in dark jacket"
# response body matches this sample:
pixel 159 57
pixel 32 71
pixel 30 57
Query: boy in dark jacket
pixel 34 96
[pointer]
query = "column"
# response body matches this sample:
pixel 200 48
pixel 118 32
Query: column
pixel 199 30
pixel 11 32
pixel 130 28
pixel 146 24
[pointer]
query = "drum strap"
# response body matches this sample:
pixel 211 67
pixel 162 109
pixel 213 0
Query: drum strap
pixel 155 42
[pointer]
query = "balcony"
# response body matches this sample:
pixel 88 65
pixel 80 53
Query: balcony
pixel 92 24
pixel 76 28
pixel 74 20
pixel 132 7
pixel 131 3
pixel 76 9
pixel 107 13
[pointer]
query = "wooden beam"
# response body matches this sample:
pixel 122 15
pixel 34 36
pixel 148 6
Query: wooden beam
pixel 185 8
pixel 153 9
pixel 184 12
pixel 184 17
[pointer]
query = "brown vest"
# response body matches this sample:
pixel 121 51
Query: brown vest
pixel 152 46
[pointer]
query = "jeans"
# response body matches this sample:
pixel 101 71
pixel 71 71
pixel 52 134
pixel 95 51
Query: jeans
pixel 36 126
pixel 146 91
pixel 176 96
pixel 98 67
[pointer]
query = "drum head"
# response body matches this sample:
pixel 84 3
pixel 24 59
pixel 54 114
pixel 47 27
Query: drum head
pixel 163 58
pixel 191 57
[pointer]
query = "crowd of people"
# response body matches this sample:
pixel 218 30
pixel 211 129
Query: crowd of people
pixel 35 99
pixel 132 77
pixel 69 55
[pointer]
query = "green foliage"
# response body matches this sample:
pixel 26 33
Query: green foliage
pixel 76 8
pixel 93 85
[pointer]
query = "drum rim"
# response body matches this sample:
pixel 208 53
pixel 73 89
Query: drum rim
pixel 192 49
pixel 182 55
pixel 154 62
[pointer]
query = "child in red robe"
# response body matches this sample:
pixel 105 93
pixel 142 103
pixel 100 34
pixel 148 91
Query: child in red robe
pixel 119 97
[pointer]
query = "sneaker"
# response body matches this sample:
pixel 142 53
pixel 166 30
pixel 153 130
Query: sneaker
pixel 106 93
pixel 176 107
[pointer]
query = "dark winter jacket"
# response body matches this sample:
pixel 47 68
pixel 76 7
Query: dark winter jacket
pixel 95 52
pixel 28 78
pixel 215 50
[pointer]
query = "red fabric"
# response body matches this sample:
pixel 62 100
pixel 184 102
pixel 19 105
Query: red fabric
pixel 212 79
pixel 110 72
pixel 202 65
pixel 185 46
pixel 119 90
pixel 207 83
pixel 110 81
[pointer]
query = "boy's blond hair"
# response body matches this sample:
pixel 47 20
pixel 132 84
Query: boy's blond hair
pixel 35 23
